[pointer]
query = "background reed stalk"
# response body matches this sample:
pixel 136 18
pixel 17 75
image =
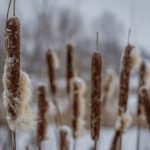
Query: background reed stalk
pixel 142 82
pixel 52 82
pixel 69 66
pixel 42 111
pixel 146 103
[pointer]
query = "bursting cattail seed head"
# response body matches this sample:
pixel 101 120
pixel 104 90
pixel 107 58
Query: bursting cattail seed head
pixel 64 133
pixel 124 78
pixel 142 82
pixel 78 89
pixel 17 85
pixel 69 66
pixel 95 99
pixel 146 102
pixel 43 109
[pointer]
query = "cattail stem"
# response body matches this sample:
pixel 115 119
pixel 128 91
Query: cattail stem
pixel 75 144
pixel 14 139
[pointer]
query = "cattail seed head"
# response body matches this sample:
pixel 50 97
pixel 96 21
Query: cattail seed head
pixel 95 99
pixel 77 85
pixel 146 102
pixel 51 71
pixel 43 108
pixel 124 79
pixel 69 66
pixel 12 43
pixel 142 82
pixel 64 133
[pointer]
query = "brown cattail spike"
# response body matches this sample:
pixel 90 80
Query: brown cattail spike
pixel 142 82
pixel 64 143
pixel 12 43
pixel 124 79
pixel 69 66
pixel 51 71
pixel 146 102
pixel 95 102
pixel 78 89
pixel 43 108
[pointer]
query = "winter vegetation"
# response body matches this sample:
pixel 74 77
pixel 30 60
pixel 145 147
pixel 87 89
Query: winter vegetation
pixel 64 88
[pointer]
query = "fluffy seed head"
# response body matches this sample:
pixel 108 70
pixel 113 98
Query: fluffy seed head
pixel 124 79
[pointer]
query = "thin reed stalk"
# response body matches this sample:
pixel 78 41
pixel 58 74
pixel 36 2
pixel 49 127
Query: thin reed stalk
pixel 52 82
pixel 95 98
pixel 42 110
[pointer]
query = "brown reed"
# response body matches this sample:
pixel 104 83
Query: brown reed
pixel 69 66
pixel 124 79
pixel 142 82
pixel 64 145
pixel 146 103
pixel 42 111
pixel 12 44
pixel 77 92
pixel 52 82
pixel 95 98
pixel 116 140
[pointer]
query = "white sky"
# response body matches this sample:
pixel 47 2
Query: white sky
pixel 134 13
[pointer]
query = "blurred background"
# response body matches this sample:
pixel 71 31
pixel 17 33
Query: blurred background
pixel 52 24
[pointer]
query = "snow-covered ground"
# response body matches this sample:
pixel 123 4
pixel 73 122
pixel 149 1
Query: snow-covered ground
pixel 83 143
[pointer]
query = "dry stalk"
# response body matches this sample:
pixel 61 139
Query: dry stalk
pixel 52 81
pixel 95 99
pixel 69 66
pixel 42 110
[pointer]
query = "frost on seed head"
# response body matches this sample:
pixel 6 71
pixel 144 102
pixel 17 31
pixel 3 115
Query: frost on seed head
pixel 25 119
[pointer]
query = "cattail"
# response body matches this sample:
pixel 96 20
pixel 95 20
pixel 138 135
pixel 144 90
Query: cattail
pixel 51 72
pixel 95 102
pixel 124 78
pixel 12 68
pixel 142 82
pixel 69 66
pixel 64 135
pixel 122 124
pixel 42 110
pixel 51 63
pixel 16 83
pixel 146 103
pixel 78 89
pixel 107 88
